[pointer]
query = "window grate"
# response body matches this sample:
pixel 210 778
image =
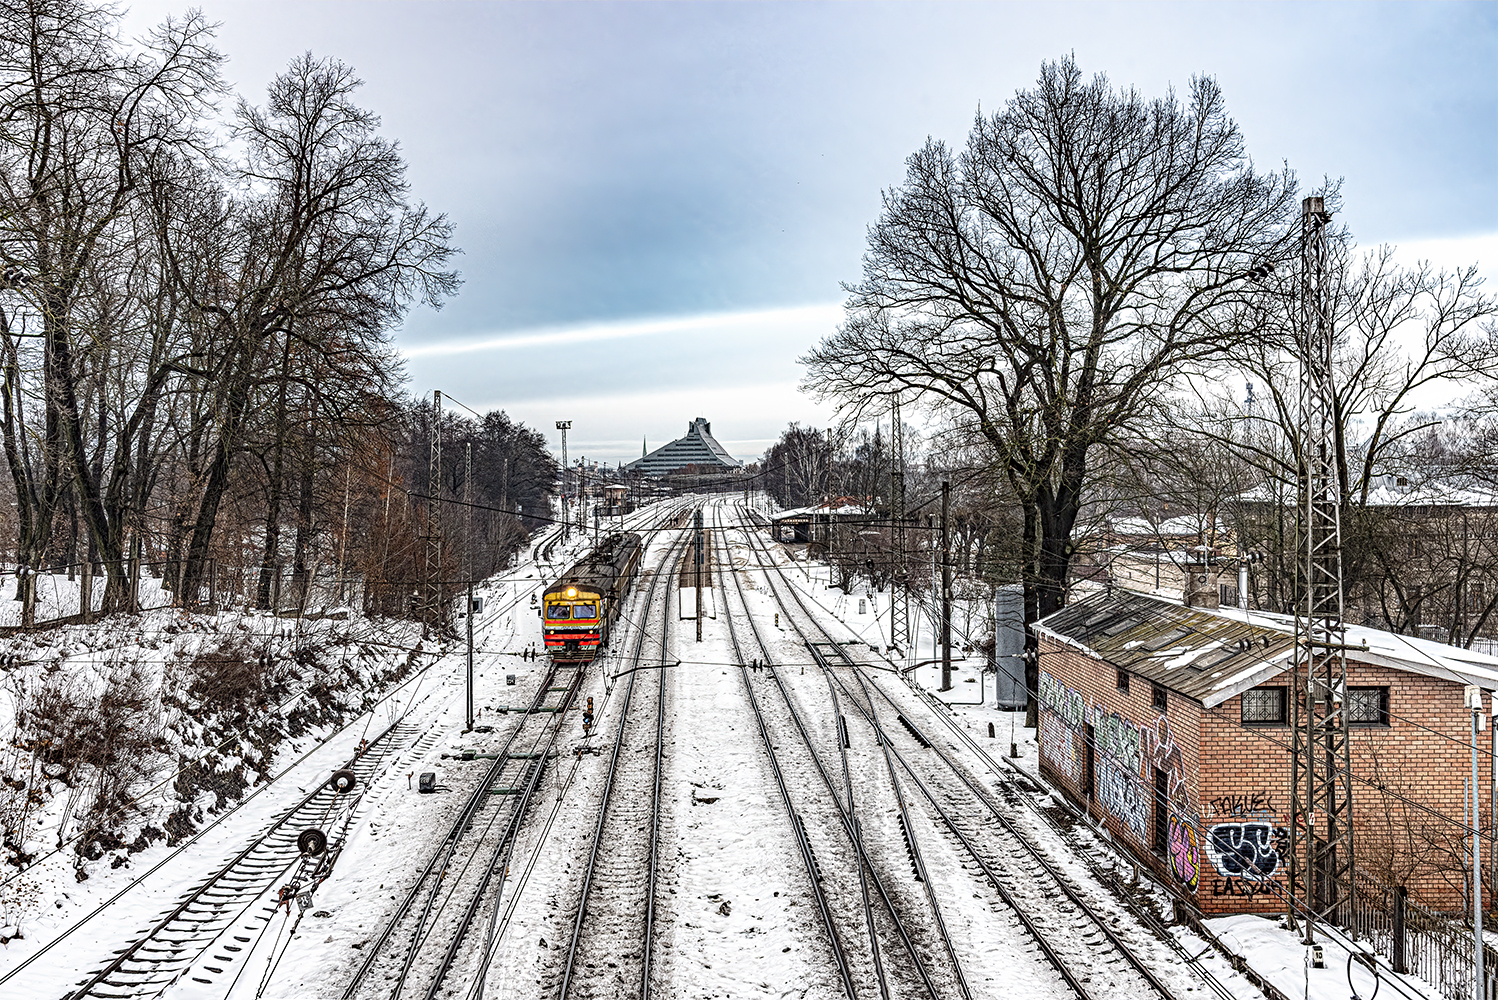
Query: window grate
pixel 1265 706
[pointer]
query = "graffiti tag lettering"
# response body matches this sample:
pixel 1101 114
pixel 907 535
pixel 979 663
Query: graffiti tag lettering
pixel 1185 856
pixel 1247 804
pixel 1244 850
pixel 1242 887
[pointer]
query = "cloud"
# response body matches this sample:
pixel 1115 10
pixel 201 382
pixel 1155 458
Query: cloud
pixel 723 323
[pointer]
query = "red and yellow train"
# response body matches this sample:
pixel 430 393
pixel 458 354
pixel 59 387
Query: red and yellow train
pixel 579 609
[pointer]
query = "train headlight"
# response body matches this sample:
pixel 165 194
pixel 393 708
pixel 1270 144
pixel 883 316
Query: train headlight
pixel 571 591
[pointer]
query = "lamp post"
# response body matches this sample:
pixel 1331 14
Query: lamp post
pixel 564 426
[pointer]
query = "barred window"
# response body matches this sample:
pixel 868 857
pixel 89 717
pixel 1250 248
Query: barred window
pixel 1368 706
pixel 1157 697
pixel 1123 681
pixel 1265 706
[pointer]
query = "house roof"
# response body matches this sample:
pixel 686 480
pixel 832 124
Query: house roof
pixel 1211 656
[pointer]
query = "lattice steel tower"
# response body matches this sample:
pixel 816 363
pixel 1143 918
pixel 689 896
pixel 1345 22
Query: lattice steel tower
pixel 899 595
pixel 1321 857
pixel 432 598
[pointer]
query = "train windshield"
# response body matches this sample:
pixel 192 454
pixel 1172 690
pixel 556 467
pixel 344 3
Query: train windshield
pixel 585 611
pixel 558 612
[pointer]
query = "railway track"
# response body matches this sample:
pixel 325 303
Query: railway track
pixel 460 874
pixel 431 945
pixel 613 927
pixel 1078 941
pixel 194 935
pixel 896 943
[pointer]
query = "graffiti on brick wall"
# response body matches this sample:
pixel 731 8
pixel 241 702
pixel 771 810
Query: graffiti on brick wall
pixel 1057 748
pixel 1185 855
pixel 1127 755
pixel 1121 794
pixel 1249 805
pixel 1248 851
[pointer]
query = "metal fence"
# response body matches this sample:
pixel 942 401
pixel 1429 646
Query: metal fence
pixel 1416 939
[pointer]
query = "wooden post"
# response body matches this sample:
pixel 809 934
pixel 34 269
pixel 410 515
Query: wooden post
pixel 134 569
pixel 86 593
pixel 275 591
pixel 212 586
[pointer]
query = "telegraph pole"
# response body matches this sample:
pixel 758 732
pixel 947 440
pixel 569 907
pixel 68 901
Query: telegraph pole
pixel 563 426
pixel 469 686
pixel 1321 842
pixel 946 585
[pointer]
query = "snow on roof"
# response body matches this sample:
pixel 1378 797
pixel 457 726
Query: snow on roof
pixel 1211 656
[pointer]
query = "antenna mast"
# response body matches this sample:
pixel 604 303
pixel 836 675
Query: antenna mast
pixel 1321 784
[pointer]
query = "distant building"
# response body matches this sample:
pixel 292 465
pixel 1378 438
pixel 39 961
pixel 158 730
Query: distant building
pixel 698 452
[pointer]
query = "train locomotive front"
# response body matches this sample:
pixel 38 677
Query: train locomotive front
pixel 579 609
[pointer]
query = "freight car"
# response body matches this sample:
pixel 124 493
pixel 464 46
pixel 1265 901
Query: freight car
pixel 579 610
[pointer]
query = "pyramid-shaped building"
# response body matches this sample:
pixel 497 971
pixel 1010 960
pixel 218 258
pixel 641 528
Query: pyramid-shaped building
pixel 698 451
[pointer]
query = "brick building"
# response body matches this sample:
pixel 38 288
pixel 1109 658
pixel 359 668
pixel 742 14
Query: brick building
pixel 1171 726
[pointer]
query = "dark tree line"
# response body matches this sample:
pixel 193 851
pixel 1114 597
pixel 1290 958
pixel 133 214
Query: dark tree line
pixel 195 367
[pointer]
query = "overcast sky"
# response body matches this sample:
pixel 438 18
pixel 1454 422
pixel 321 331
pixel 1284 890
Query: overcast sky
pixel 657 202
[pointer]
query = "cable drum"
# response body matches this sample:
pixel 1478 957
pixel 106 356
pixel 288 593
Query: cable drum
pixel 344 780
pixel 312 842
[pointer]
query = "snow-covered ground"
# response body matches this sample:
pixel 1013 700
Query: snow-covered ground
pixel 734 918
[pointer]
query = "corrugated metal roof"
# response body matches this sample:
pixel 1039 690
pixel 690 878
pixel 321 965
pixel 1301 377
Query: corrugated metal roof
pixel 1212 656
pixel 1206 657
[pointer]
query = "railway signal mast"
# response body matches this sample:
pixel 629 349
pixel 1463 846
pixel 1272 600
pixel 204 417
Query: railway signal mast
pixel 1321 857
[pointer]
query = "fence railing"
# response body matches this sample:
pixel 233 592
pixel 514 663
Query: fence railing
pixel 1416 939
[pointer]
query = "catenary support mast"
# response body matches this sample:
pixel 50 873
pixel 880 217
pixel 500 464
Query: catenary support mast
pixel 433 596
pixel 1321 855
pixel 899 606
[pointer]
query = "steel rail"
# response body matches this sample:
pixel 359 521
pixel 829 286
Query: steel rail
pixel 221 876
pixel 917 859
pixel 441 858
pixel 1006 771
pixel 991 805
pixel 798 829
pixel 850 827
pixel 608 788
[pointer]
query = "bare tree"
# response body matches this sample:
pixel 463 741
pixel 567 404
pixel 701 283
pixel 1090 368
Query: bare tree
pixel 1085 248
pixel 331 244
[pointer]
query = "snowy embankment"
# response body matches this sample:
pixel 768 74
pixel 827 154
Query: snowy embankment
pixel 122 738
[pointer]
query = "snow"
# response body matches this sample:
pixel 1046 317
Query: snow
pixel 735 916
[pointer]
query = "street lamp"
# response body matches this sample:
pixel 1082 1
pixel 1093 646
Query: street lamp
pixel 564 426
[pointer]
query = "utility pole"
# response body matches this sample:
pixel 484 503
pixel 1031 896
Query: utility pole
pixel 469 686
pixel 468 514
pixel 433 596
pixel 1474 702
pixel 899 590
pixel 582 496
pixel 697 558
pixel 830 505
pixel 564 426
pixel 946 585
pixel 1321 783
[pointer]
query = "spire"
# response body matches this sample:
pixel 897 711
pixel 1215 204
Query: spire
pixel 642 446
